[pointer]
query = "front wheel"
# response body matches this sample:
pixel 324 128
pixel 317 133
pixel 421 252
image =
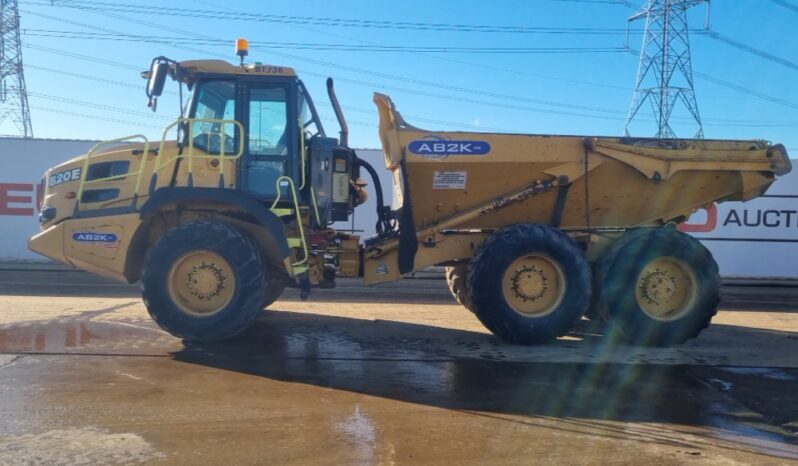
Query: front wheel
pixel 204 281
pixel 273 292
pixel 658 287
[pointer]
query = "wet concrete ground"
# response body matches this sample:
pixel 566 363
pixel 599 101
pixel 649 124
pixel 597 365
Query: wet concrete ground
pixel 384 375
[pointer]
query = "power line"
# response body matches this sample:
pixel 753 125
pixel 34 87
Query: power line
pixel 625 3
pixel 361 71
pixel 333 65
pixel 753 50
pixel 711 122
pixel 67 53
pixel 327 21
pixel 330 21
pixel 746 90
pixel 61 111
pixel 84 103
pixel 786 5
pixel 480 64
pixel 465 99
pixel 562 79
pixel 325 104
pixel 320 46
pixel 372 84
pixel 82 76
pixel 378 85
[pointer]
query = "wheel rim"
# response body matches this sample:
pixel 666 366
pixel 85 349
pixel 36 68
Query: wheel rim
pixel 666 288
pixel 534 285
pixel 201 283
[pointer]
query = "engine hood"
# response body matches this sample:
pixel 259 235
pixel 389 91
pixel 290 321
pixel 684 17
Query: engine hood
pixel 61 183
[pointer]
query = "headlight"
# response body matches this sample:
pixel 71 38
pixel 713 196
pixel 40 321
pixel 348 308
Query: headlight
pixel 47 214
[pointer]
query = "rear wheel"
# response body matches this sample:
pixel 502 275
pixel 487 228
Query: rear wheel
pixel 529 283
pixel 204 281
pixel 456 279
pixel 658 287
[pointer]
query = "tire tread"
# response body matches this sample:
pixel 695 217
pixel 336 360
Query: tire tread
pixel 710 284
pixel 498 317
pixel 236 247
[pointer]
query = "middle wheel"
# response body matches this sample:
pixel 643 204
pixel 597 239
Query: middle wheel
pixel 456 279
pixel 529 283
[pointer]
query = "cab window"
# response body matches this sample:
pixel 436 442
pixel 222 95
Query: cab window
pixel 268 122
pixel 268 142
pixel 215 101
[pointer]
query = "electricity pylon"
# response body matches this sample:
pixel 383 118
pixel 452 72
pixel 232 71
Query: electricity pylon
pixel 14 110
pixel 665 74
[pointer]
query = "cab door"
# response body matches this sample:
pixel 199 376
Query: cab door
pixel 270 143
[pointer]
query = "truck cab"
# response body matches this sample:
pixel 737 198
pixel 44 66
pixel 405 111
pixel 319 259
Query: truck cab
pixel 249 150
pixel 264 116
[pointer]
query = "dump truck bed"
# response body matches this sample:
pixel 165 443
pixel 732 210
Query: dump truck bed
pixel 609 182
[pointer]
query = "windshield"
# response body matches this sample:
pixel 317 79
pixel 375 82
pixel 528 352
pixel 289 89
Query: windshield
pixel 215 101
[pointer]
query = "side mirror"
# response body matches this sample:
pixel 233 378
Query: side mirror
pixel 155 81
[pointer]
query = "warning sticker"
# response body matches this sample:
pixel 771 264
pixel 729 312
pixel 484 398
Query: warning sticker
pixel 449 180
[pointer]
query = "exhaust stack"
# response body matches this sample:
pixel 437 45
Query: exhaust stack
pixel 338 113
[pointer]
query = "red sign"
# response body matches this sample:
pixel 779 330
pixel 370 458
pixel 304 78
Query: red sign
pixel 17 199
pixel 707 226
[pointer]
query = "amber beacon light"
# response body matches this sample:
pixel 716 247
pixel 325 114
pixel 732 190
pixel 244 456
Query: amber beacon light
pixel 242 49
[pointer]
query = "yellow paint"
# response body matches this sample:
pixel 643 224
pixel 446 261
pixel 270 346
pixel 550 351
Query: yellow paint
pixel 222 67
pixel 666 288
pixel 534 285
pixel 201 283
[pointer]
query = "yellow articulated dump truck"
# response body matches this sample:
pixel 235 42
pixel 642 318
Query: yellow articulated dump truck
pixel 534 230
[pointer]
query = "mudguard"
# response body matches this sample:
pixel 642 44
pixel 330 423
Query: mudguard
pixel 241 200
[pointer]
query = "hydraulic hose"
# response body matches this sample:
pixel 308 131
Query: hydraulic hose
pixel 384 224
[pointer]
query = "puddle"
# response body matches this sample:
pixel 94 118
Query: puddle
pixel 78 336
pixel 359 431
pixel 722 384
pixel 747 436
pixel 768 373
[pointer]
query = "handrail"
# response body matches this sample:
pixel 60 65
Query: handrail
pixel 191 155
pixel 85 170
pixel 160 161
pixel 302 151
pixel 298 215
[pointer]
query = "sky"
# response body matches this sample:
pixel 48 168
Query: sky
pixel 83 82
